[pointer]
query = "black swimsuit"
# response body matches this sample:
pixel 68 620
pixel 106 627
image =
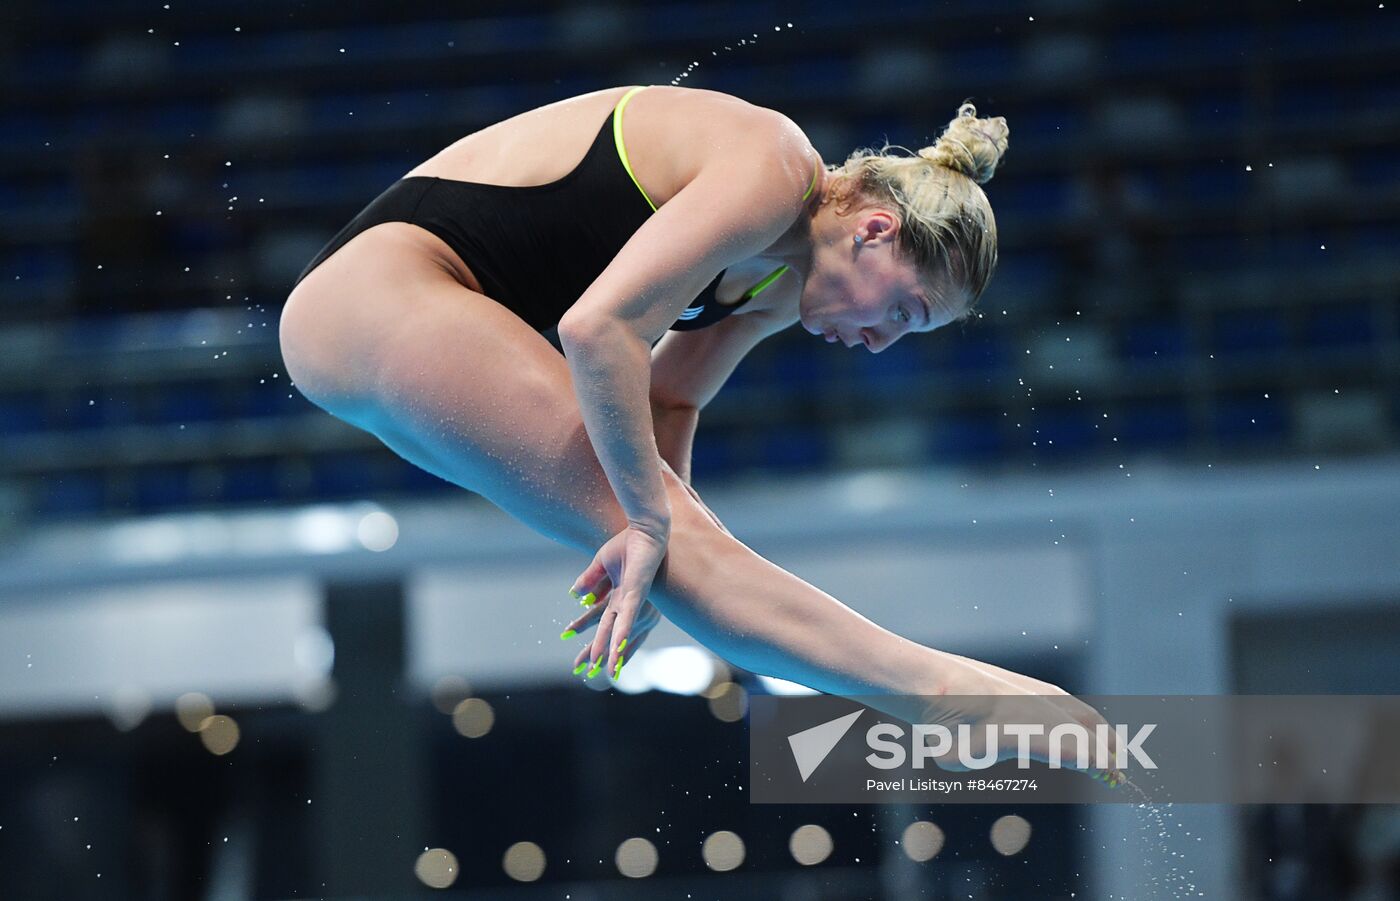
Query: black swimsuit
pixel 536 249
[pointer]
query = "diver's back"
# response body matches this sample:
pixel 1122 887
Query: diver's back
pixel 669 133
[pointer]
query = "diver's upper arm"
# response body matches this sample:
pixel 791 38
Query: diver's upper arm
pixel 735 208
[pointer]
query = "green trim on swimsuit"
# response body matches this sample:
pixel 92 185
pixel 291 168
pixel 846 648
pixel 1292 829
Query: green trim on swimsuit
pixel 768 279
pixel 621 150
pixel 622 153
pixel 814 182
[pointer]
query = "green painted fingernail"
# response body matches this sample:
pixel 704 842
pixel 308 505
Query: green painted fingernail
pixel 597 665
pixel 578 669
pixel 622 646
pixel 573 593
pixel 588 599
pixel 618 670
pixel 567 634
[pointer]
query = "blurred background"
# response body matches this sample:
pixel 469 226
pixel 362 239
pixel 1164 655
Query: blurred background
pixel 246 652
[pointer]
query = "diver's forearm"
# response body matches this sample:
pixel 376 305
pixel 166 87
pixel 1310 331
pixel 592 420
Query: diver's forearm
pixel 611 369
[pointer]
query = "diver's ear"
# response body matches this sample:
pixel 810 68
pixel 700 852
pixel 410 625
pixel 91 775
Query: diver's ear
pixel 878 225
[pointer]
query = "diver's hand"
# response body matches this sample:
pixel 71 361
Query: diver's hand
pixel 647 619
pixel 628 561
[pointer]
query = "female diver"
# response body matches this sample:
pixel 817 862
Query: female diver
pixel 697 223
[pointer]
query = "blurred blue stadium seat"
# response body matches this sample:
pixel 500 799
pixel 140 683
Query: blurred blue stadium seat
pixel 100 406
pixel 251 480
pixel 1301 102
pixel 980 61
pixel 801 366
pixel 336 111
pixel 968 438
pixel 1379 240
pixel 38 263
pixel 1146 187
pixel 1025 282
pixel 268 399
pixel 1381 95
pixel 163 487
pixel 979 351
pixel 1154 424
pixel 906 359
pixel 1349 327
pixel 508 32
pixel 1047 195
pixel 213 53
pixel 43 63
pixel 874 130
pixel 28 131
pixel 713 453
pixel 185 401
pixel 1219 111
pixel 177 120
pixel 70 493
pixel 1224 42
pixel 1064 430
pixel 1303 250
pixel 22 412
pixel 1219 183
pixel 198 236
pixel 795 447
pixel 1157 340
pixel 1242 333
pixel 1142 48
pixel 1248 419
pixel 1134 49
pixel 1377 170
pixel 343 475
pixel 96 120
pixel 1309 35
pixel 753 370
pixel 1045 126
pixel 1226 252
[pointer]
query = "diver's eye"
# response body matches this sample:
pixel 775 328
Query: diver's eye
pixel 902 315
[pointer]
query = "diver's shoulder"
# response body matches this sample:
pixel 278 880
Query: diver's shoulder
pixel 720 109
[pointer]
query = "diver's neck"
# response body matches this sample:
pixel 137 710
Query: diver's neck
pixel 794 247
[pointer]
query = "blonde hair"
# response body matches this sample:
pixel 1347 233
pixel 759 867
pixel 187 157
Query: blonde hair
pixel 947 221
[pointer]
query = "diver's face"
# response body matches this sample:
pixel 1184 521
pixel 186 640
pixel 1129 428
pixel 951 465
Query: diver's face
pixel 862 294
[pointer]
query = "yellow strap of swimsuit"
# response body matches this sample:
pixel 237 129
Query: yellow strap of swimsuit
pixel 768 279
pixel 773 276
pixel 814 181
pixel 622 153
pixel 621 150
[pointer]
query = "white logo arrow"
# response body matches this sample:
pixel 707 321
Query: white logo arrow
pixel 810 746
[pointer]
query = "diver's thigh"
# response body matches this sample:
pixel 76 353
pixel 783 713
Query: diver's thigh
pixel 338 321
pixel 467 390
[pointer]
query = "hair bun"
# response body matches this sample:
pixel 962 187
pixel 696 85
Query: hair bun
pixel 970 145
